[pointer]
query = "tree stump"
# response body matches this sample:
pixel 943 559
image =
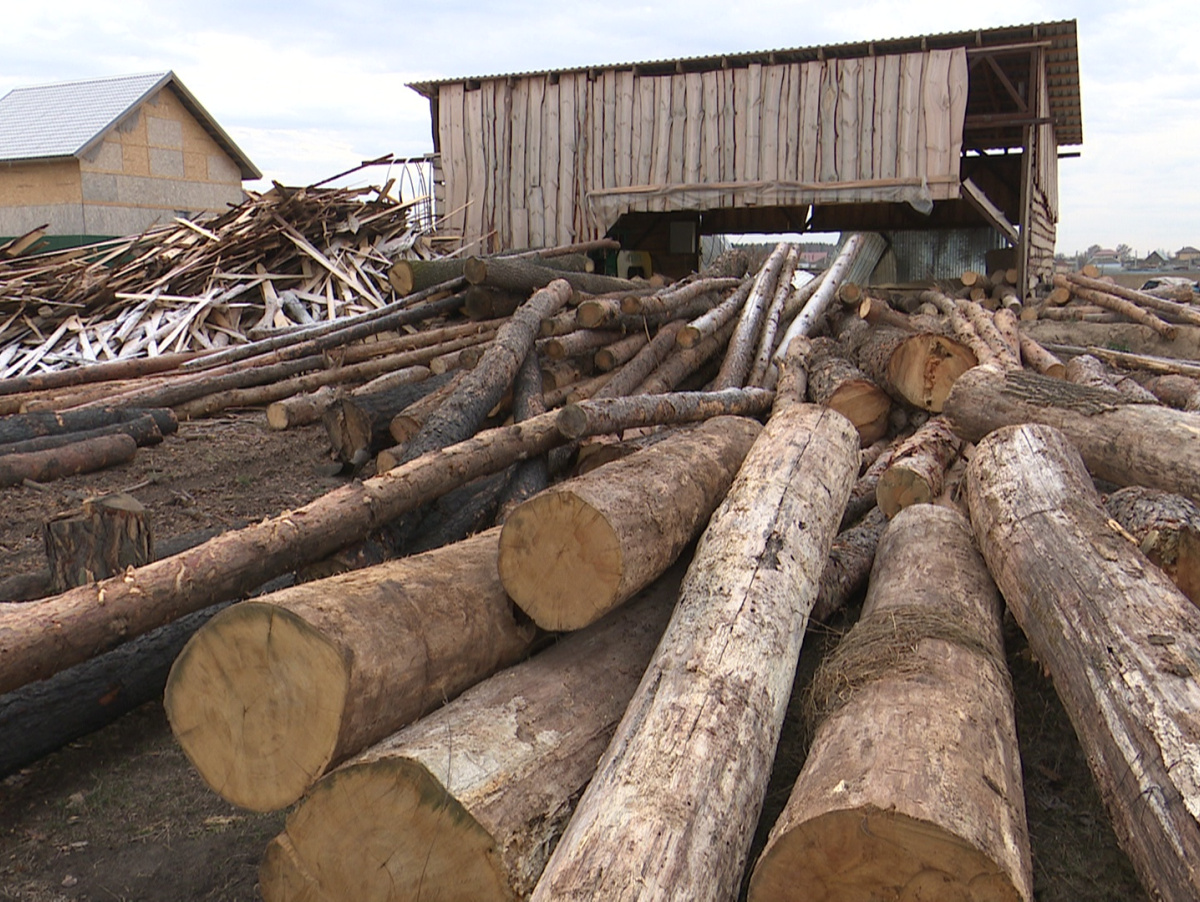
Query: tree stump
pixel 112 532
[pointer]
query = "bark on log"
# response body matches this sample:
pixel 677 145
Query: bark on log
pixel 271 693
pixel 1119 639
pixel 1123 443
pixel 626 380
pixel 461 414
pixel 532 475
pixel 849 564
pixel 1180 392
pixel 683 362
pixel 111 533
pixel 240 560
pixel 560 347
pixel 515 274
pixel 772 318
pixel 96 372
pixel 143 430
pixel 1167 530
pixel 408 422
pixel 410 276
pixel 664 303
pixel 740 356
pixel 985 327
pixel 836 383
pixel 66 460
pixel 878 312
pixel 24 426
pixel 807 319
pixel 1040 359
pixel 481 302
pixel 1084 369
pixel 1122 306
pixel 575 552
pixel 358 425
pixel 961 326
pixel 1134 338
pixel 912 787
pixel 862 495
pixel 1184 312
pixel 671 811
pixel 617 353
pixel 915 474
pixel 507 759
pixel 703 326
pixel 300 410
pixel 916 368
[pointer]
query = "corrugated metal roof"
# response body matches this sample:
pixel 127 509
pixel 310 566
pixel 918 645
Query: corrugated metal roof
pixel 65 120
pixel 1062 62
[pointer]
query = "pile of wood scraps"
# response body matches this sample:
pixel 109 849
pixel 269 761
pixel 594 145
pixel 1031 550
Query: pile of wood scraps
pixel 282 259
pixel 494 675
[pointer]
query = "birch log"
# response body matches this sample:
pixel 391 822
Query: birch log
pixel 671 811
pixel 1121 642
pixel 912 787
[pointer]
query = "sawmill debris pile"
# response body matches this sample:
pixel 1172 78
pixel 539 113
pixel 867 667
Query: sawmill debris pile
pixel 533 466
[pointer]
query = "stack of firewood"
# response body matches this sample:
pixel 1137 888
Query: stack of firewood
pixel 534 476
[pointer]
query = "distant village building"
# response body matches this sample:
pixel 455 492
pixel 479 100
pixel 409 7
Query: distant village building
pixel 112 156
pixel 1106 260
pixel 1154 260
pixel 1188 256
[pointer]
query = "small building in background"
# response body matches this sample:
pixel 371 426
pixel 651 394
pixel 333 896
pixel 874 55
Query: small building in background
pixel 110 157
pixel 1188 257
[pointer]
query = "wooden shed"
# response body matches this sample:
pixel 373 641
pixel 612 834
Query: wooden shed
pixel 112 156
pixel 951 131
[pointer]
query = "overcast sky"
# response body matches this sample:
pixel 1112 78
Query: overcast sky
pixel 310 88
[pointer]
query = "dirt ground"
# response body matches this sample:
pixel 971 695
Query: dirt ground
pixel 121 815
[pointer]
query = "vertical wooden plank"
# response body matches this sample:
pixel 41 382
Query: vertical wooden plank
pixel 919 64
pixel 456 171
pixel 741 118
pixel 662 136
pixel 909 114
pixel 589 225
pixel 789 143
pixel 754 119
pixel 477 184
pixel 533 160
pixel 568 160
pixel 959 84
pixel 728 132
pixel 518 228
pixel 936 114
pixel 551 148
pixel 609 155
pixel 866 119
pixel 676 164
pixel 491 171
pixel 636 128
pixel 768 150
pixel 625 120
pixel 645 158
pixel 710 164
pixel 889 118
pixel 693 140
pixel 847 119
pixel 810 120
pixel 502 218
pixel 595 89
pixel 828 127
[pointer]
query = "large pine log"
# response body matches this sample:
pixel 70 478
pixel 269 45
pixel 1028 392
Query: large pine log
pixel 109 534
pixel 915 473
pixel 626 380
pixel 671 811
pixel 95 372
pixel 1167 530
pixel 358 425
pixel 25 426
pixel 300 410
pixel 92 619
pixel 684 362
pixel 507 759
pixel 575 552
pixel 531 475
pixel 836 383
pixel 1127 444
pixel 917 368
pixel 849 564
pixel 67 460
pixel 912 787
pixel 273 692
pixel 1119 639
pixel 409 276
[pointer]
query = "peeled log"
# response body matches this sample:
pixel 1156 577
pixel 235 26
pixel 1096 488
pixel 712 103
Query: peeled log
pixel 1124 443
pixel 917 368
pixel 671 811
pixel 917 469
pixel 506 761
pixel 271 693
pixel 573 553
pixel 1119 639
pixel 1167 530
pixel 912 787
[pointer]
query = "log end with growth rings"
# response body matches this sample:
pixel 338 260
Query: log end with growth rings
pixel 417 837
pixel 560 561
pixel 256 679
pixel 924 368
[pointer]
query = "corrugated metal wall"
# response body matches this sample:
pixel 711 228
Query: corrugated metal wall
pixel 914 256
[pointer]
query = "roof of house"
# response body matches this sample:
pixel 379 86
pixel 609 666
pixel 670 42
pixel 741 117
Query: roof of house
pixel 1188 250
pixel 68 119
pixel 1058 40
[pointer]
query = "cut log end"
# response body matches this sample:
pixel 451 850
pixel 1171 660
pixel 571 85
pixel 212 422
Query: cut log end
pixel 434 841
pixel 924 368
pixel 560 561
pixel 866 406
pixel 270 681
pixel 877 854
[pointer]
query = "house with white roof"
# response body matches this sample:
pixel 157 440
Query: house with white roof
pixel 112 156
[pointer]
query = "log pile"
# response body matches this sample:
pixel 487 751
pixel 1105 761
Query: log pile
pixel 743 455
